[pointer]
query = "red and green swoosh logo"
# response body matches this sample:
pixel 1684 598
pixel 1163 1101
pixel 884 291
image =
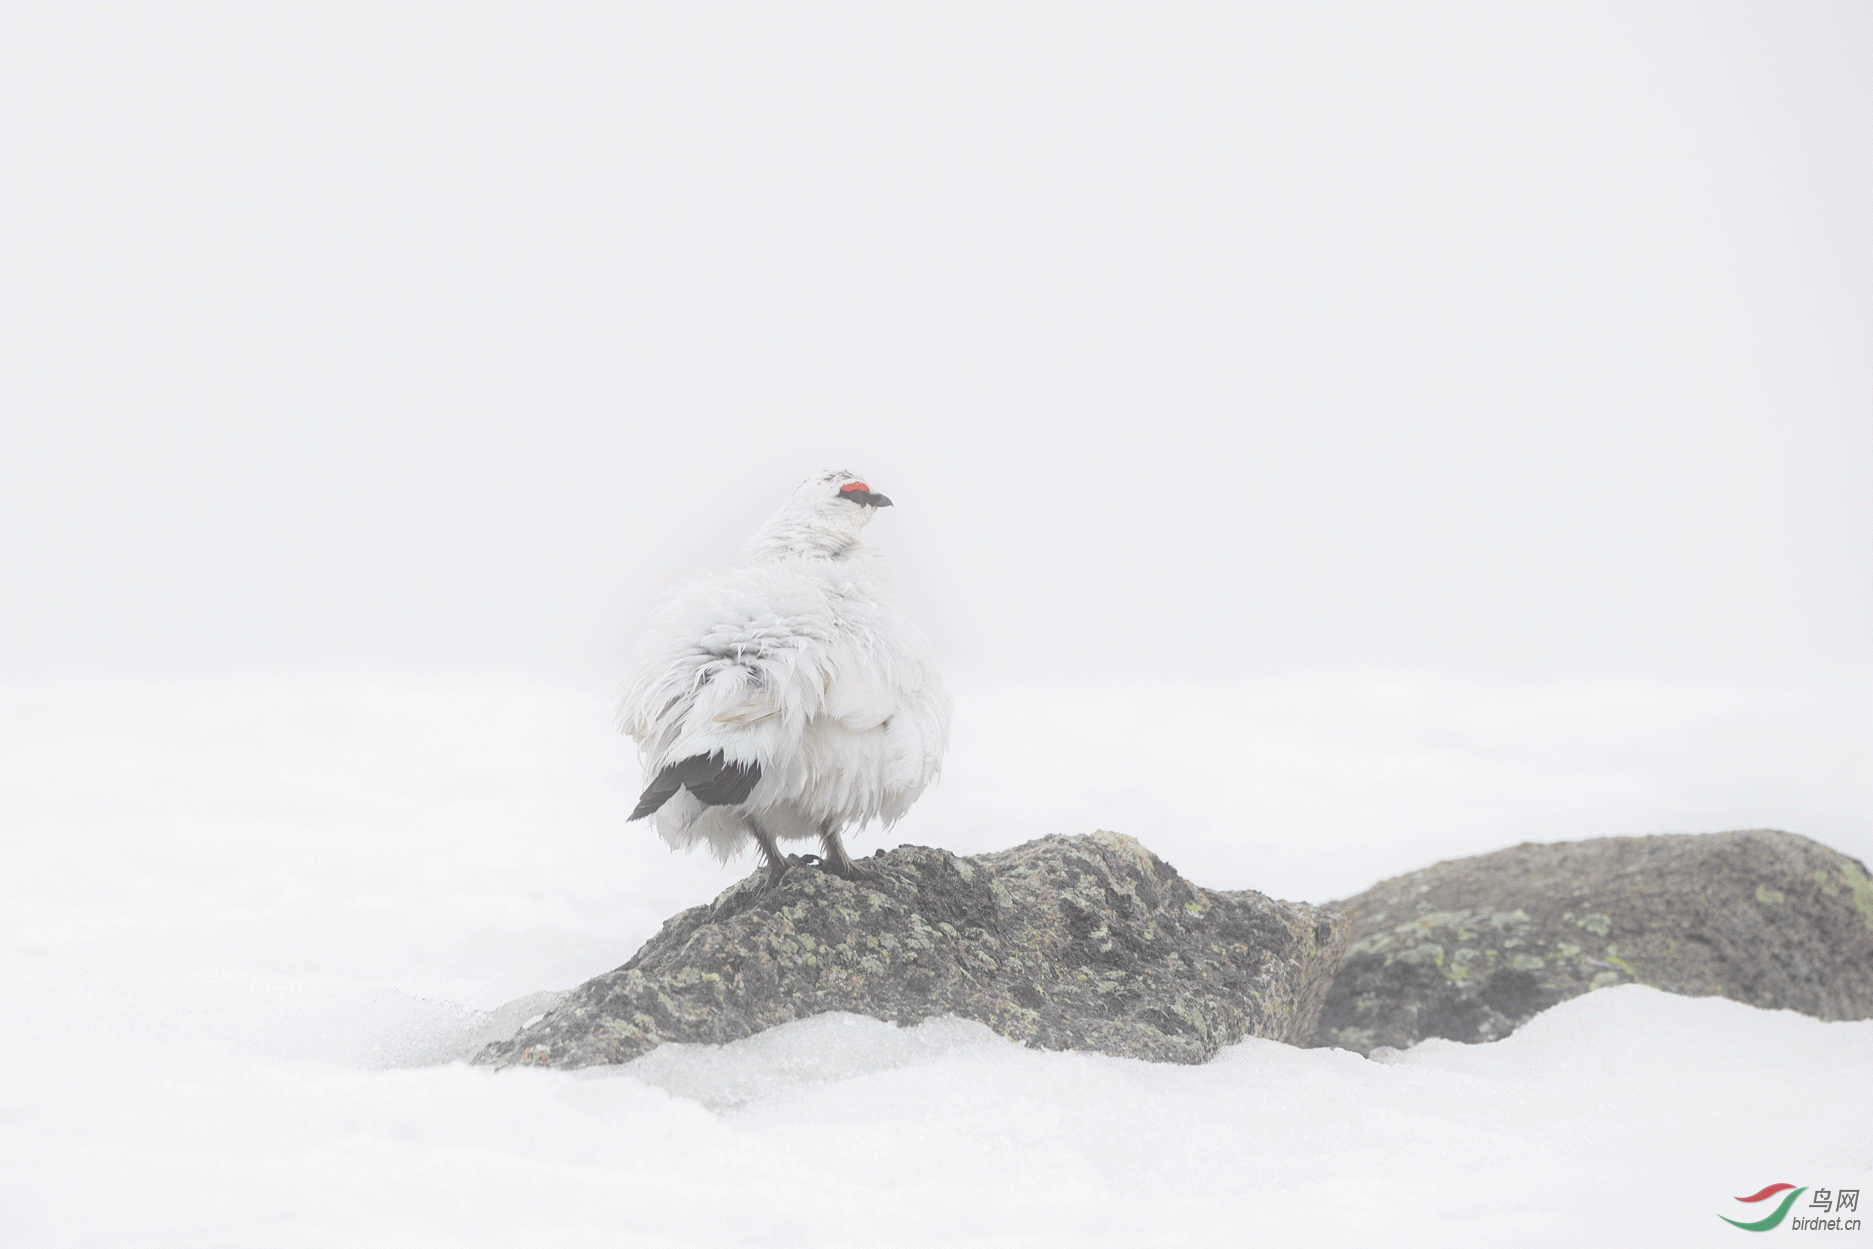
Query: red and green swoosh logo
pixel 1776 1215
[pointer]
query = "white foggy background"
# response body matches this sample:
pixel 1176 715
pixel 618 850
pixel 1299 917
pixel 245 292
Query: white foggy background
pixel 1325 439
pixel 1283 354
pixel 1271 395
pixel 1193 342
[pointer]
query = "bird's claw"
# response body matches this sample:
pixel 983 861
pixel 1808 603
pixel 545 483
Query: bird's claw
pixel 851 871
pixel 842 867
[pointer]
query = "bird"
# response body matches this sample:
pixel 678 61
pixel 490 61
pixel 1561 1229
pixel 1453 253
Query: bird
pixel 789 696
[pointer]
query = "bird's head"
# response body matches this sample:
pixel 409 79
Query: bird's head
pixel 824 516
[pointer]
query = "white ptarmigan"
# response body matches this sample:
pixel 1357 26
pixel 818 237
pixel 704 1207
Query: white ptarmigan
pixel 789 696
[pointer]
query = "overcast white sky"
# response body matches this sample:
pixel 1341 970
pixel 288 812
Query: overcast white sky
pixel 1190 340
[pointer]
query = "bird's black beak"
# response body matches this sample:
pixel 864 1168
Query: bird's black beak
pixel 864 497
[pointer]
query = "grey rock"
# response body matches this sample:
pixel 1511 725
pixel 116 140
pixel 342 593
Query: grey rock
pixel 1472 948
pixel 1064 943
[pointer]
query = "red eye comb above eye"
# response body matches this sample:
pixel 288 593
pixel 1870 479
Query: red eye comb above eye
pixel 857 485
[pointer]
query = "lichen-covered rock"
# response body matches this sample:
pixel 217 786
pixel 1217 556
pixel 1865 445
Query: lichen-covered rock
pixel 1064 943
pixel 1472 948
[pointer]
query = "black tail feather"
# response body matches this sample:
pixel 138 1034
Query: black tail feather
pixel 711 779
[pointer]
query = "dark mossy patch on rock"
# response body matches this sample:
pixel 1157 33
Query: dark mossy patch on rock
pixel 1472 948
pixel 1064 943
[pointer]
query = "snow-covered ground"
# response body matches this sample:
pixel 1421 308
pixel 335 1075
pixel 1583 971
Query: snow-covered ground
pixel 251 926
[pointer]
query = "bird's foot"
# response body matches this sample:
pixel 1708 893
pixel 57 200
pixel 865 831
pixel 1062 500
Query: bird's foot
pixel 835 860
pixel 846 869
pixel 777 868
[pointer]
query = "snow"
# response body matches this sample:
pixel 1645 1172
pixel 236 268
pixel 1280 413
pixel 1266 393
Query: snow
pixel 252 925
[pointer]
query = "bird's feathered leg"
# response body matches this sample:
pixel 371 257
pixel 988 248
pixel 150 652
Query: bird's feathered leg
pixel 770 852
pixel 836 860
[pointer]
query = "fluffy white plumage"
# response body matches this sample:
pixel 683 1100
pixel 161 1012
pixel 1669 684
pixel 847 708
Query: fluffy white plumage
pixel 796 667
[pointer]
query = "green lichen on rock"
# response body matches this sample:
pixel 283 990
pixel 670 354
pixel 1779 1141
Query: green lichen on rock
pixel 1064 943
pixel 1596 922
pixel 1768 918
pixel 1854 876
